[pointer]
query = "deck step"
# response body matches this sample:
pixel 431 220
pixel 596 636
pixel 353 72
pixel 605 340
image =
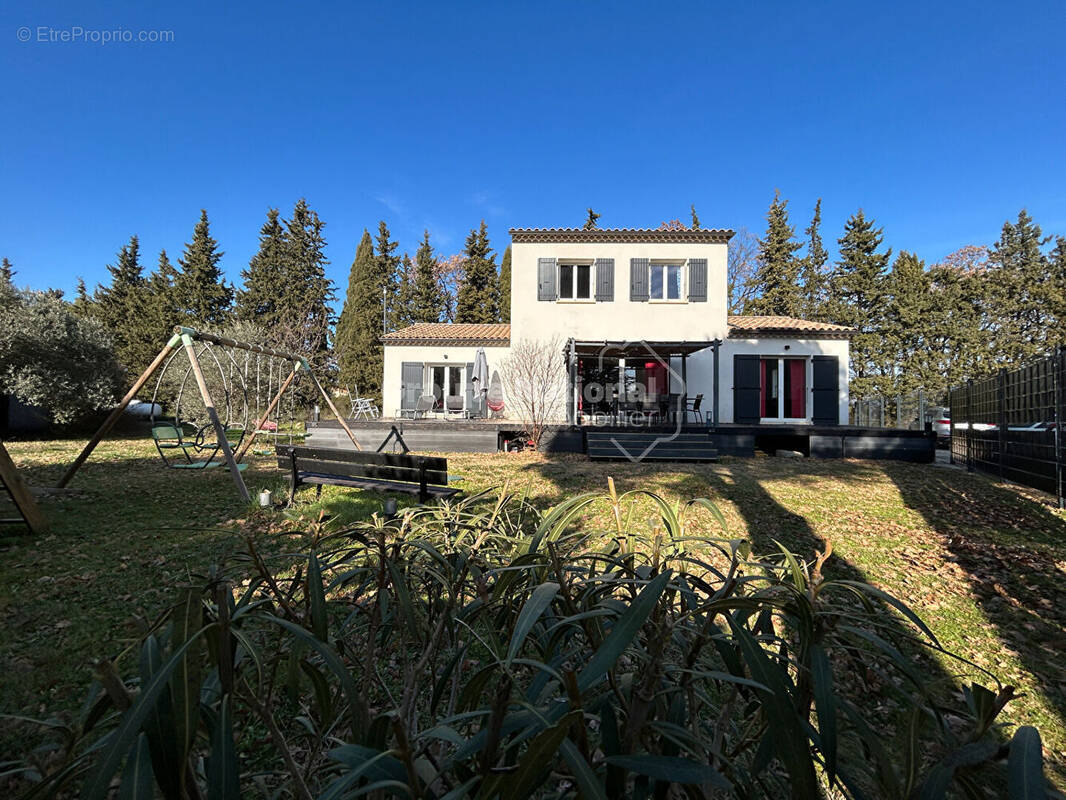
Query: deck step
pixel 649 446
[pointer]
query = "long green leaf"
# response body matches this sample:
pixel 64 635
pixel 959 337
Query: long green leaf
pixel 624 630
pixel 137 778
pixel 535 761
pixel 825 706
pixel 588 784
pixel 316 599
pixel 187 620
pixel 536 604
pixel 223 771
pixel 167 764
pixel 1025 765
pixel 120 742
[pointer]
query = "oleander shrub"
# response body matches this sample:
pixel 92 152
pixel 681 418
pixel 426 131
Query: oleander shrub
pixel 480 648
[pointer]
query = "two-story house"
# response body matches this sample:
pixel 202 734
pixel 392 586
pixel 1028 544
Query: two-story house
pixel 642 319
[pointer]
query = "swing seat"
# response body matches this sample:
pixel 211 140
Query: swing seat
pixel 168 436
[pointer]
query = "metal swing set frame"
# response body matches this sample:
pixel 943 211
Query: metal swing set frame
pixel 187 338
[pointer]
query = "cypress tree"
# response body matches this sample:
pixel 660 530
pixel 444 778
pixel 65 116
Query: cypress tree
pixel 856 295
pixel 7 272
pixel 695 218
pixel 505 286
pixel 591 222
pixel 163 307
pixel 203 295
pixel 813 276
pixel 905 330
pixel 1057 304
pixel 264 280
pixel 83 303
pixel 478 298
pixel 388 266
pixel 357 342
pixel 776 280
pixel 405 311
pixel 428 295
pixel 303 314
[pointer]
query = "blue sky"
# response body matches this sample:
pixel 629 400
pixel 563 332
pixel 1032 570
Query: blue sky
pixel 940 120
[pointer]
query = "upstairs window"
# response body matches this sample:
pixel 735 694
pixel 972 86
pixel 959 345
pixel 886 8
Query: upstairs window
pixel 665 282
pixel 575 281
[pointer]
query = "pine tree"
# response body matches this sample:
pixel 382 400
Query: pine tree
pixel 7 272
pixel 428 295
pixel 83 303
pixel 264 280
pixel 1024 292
pixel 122 308
pixel 162 306
pixel 357 342
pixel 695 218
pixel 8 294
pixel 1057 300
pixel 478 299
pixel 777 291
pixel 856 299
pixel 203 295
pixel 591 223
pixel 505 286
pixel 813 277
pixel 303 313
pixel 389 270
pixel 905 330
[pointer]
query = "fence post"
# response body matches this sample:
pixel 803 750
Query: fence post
pixel 951 425
pixel 969 425
pixel 899 411
pixel 1001 417
pixel 1060 407
pixel 921 409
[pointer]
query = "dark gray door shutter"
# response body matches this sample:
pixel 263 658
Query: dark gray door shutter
pixel 604 280
pixel 470 386
pixel 546 285
pixel 410 383
pixel 825 407
pixel 747 387
pixel 638 280
pixel 697 280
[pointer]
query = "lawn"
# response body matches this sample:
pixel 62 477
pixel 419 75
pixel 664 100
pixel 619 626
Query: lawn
pixel 983 563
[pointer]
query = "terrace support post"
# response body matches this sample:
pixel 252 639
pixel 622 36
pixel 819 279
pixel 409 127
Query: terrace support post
pixel 329 402
pixel 951 425
pixel 571 383
pixel 714 384
pixel 114 416
pixel 969 425
pixel 266 415
pixel 220 432
pixel 1001 417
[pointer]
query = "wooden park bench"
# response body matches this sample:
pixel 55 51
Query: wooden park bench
pixel 425 476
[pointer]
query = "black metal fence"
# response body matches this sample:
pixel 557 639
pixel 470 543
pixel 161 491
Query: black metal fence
pixel 1011 424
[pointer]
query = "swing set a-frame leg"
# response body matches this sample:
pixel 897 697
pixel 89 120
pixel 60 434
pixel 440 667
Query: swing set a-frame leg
pixel 113 417
pixel 220 432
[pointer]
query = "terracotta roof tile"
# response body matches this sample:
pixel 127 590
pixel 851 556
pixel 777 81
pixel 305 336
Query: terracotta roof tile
pixel 451 333
pixel 764 325
pixel 625 235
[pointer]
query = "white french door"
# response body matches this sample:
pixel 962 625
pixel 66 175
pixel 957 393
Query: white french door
pixel 447 381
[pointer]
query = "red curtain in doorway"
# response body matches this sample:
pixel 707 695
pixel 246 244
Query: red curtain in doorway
pixel 797 394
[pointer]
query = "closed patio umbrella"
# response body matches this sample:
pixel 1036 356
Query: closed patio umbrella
pixel 480 376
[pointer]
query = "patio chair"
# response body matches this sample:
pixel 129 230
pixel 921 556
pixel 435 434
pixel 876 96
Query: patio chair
pixel 693 407
pixel 453 405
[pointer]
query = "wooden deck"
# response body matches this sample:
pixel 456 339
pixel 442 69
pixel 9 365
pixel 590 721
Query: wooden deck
pixel 490 436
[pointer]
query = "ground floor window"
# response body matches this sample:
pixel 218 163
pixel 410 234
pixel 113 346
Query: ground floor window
pixel 447 381
pixel 783 389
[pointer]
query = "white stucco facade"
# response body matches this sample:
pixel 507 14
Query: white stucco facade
pixel 612 306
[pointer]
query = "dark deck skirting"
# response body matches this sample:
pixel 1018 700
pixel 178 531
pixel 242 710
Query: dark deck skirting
pixel 490 436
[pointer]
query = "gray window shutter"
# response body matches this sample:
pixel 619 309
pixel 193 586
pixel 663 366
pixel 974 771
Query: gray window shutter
pixel 697 280
pixel 825 405
pixel 747 388
pixel 546 282
pixel 638 280
pixel 604 280
pixel 410 383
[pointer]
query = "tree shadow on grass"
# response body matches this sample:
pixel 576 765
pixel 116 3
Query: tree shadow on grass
pixel 1011 550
